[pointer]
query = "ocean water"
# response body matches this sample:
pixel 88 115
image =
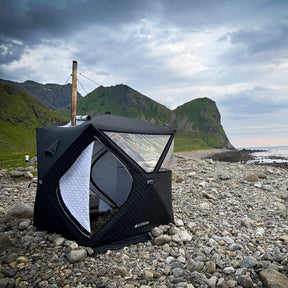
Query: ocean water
pixel 273 154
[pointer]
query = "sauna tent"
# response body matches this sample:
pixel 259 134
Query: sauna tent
pixel 104 183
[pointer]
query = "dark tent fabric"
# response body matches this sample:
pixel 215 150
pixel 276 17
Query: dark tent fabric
pixel 105 183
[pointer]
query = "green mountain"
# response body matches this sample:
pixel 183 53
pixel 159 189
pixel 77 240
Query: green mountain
pixel 198 122
pixel 20 114
pixel 53 96
pixel 120 100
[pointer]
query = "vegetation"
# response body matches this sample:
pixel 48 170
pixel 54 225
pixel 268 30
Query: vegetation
pixel 197 122
pixel 120 100
pixel 20 115
pixel 189 142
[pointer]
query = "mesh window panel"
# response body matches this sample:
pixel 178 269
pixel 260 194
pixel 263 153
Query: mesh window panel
pixel 111 179
pixel 144 149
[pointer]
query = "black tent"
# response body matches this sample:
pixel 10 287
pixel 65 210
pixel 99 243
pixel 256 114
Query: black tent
pixel 105 183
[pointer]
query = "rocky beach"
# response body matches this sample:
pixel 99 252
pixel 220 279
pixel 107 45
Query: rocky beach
pixel 230 230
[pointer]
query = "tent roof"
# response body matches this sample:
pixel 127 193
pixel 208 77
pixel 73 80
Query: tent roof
pixel 122 124
pixel 55 140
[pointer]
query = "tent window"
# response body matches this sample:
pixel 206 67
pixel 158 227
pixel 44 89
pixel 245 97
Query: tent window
pixel 111 181
pixel 144 149
pixel 110 186
pixel 96 170
pixel 167 163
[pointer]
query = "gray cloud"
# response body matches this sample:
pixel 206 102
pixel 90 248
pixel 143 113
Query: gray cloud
pixel 257 100
pixel 234 52
pixel 267 43
pixel 31 22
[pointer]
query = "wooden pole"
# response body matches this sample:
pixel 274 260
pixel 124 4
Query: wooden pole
pixel 74 93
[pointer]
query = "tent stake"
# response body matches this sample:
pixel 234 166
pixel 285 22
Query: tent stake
pixel 74 93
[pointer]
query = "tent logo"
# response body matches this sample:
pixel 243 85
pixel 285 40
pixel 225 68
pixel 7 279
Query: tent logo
pixel 141 224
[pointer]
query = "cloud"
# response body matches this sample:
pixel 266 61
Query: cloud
pixel 264 44
pixel 234 52
pixel 255 116
pixel 256 100
pixel 10 50
pixel 33 22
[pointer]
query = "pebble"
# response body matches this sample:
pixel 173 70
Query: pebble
pixel 230 231
pixel 248 262
pixel 245 281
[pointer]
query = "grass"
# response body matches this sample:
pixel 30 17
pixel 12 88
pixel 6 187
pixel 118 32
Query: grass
pixel 14 159
pixel 186 142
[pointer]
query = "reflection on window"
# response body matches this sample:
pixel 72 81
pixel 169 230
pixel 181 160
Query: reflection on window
pixel 167 163
pixel 142 148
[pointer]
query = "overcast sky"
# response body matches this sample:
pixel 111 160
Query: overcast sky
pixel 173 51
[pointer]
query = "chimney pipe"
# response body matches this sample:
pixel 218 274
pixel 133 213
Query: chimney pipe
pixel 74 93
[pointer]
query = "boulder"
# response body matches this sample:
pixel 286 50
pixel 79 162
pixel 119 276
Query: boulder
pixel 273 279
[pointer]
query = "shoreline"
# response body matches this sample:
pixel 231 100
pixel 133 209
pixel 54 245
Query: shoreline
pixel 233 216
pixel 246 156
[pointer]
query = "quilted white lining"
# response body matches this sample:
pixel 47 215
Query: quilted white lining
pixel 74 187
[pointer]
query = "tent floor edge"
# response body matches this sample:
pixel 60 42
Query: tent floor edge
pixel 123 243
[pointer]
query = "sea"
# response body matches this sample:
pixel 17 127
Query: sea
pixel 272 154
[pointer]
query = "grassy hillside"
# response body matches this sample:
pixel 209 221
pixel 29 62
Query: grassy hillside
pixel 199 125
pixel 53 96
pixel 20 115
pixel 198 122
pixel 120 100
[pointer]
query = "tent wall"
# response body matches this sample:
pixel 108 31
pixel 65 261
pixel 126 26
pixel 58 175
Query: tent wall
pixel 148 204
pixel 145 208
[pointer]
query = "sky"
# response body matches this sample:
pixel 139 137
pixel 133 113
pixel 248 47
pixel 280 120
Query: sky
pixel 172 51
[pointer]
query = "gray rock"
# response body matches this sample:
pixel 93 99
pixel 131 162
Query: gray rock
pixel 5 243
pixel 177 272
pixel 156 232
pixel 179 222
pixel 228 240
pixel 211 282
pixel 16 174
pixel 251 178
pixel 222 283
pixel 211 267
pixel 76 255
pixel 24 224
pixel 174 230
pixel 228 270
pixel 273 279
pixel 248 262
pixel 284 195
pixel 59 241
pixel 20 169
pixel 20 211
pixel 162 239
pixel 198 278
pixel 182 236
pixel 224 177
pixel 246 222
pixel 261 175
pixel 245 281
pixel 235 246
pixel 28 175
pixel 148 275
